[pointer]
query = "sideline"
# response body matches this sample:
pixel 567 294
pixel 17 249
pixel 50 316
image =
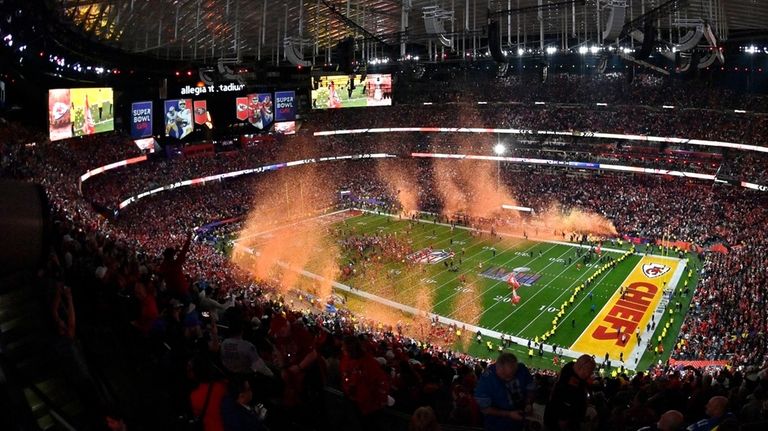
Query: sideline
pixel 416 312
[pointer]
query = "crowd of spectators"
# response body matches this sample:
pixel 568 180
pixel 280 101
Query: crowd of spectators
pixel 260 364
pixel 112 187
pixel 685 123
pixel 233 350
pixel 611 88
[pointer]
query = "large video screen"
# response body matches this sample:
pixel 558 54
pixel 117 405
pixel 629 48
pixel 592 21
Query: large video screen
pixel 178 118
pixel 147 144
pixel 257 109
pixel 79 111
pixel 285 127
pixel 351 91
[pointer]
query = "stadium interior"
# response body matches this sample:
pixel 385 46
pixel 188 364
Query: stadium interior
pixel 459 215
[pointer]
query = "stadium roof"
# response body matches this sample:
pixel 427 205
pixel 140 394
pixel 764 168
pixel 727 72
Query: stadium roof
pixel 205 29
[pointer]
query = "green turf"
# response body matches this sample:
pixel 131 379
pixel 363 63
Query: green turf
pixel 357 99
pixel 486 302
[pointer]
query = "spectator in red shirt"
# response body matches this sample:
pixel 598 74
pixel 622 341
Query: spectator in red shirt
pixel 173 272
pixel 148 312
pixel 295 347
pixel 362 379
pixel 212 388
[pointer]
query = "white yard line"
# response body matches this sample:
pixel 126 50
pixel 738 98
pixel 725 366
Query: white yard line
pixel 615 250
pixel 495 283
pixel 473 328
pixel 414 275
pixel 586 295
pixel 416 312
pixel 444 320
pixel 583 276
pixel 520 306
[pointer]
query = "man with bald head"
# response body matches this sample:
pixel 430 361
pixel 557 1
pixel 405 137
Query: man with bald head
pixel 672 420
pixel 717 410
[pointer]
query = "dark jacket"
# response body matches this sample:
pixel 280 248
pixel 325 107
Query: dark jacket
pixel 568 401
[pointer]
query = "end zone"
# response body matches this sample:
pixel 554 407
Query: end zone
pixel 616 327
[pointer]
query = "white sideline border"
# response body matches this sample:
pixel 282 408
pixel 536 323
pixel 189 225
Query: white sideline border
pixel 639 350
pixel 570 244
pixel 629 364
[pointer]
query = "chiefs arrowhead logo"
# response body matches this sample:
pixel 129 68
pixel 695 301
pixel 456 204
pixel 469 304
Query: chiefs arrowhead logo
pixel 653 270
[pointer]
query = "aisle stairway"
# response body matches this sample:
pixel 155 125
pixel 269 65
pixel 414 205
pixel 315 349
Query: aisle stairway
pixel 36 382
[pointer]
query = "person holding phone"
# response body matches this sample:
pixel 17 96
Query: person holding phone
pixel 504 394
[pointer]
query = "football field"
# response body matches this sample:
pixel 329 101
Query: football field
pixel 598 305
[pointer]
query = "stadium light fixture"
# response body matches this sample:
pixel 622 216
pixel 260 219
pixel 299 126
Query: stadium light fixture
pixel 551 50
pixel 499 149
pixel 517 208
pixel 583 50
pixel 594 49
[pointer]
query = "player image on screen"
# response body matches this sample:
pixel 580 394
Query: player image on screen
pixel 59 113
pixel 91 110
pixel 178 118
pixel 79 111
pixel 351 91
pixel 285 127
pixel 378 90
pixel 334 101
pixel 260 113
pixel 170 121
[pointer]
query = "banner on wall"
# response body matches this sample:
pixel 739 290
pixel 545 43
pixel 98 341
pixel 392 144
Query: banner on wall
pixel 242 109
pixel 178 118
pixel 257 109
pixel 202 116
pixel 261 110
pixel 285 105
pixel 141 119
